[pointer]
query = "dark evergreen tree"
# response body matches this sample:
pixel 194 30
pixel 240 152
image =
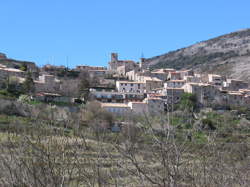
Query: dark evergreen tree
pixel 84 88
pixel 28 85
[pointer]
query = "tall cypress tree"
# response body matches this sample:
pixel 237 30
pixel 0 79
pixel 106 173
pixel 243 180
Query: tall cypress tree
pixel 28 85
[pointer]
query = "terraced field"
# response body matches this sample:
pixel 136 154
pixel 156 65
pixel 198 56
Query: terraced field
pixel 40 153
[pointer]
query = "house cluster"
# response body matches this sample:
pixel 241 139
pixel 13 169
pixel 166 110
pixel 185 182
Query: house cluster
pixel 6 72
pixel 13 68
pixel 139 90
pixel 127 86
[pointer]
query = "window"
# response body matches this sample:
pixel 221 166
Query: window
pixel 139 86
pixel 125 84
pixel 131 84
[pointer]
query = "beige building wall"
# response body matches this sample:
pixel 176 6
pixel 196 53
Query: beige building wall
pixel 117 108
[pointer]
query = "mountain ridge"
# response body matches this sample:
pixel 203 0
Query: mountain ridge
pixel 227 55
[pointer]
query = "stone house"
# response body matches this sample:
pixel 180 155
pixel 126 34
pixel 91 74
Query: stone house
pixel 107 97
pixel 51 68
pixel 117 108
pixel 174 83
pixel 245 91
pixel 97 73
pixel 184 73
pixel 116 97
pixel 155 105
pixel 236 98
pixel 215 80
pixel 133 97
pixel 136 75
pixel 156 95
pixel 5 72
pixel 122 70
pixel 128 86
pixel 17 64
pixel 173 95
pixel 127 67
pixel 101 89
pixel 161 74
pixel 210 95
pixel 179 75
pixel 234 85
pixel 47 83
pixel 87 68
pixel 10 72
pixel 206 94
pixel 150 82
pixel 175 75
pixel 132 75
pixel 152 106
pixel 138 107
pixel 107 82
pixel 51 97
pixel 196 78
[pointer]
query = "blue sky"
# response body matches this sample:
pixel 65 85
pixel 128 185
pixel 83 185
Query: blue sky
pixel 74 32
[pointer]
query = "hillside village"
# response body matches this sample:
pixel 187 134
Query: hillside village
pixel 125 86
pixel 113 126
pixel 125 93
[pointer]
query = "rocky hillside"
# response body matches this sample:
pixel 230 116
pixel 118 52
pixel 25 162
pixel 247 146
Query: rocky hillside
pixel 227 55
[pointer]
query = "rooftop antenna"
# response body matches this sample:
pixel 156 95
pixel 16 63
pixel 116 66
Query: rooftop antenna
pixel 142 55
pixel 67 62
pixel 52 61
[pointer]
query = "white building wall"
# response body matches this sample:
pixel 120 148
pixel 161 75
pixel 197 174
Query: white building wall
pixel 134 87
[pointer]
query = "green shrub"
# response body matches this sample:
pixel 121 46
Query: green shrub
pixel 188 102
pixel 200 138
pixel 4 92
pixel 24 98
pixel 23 67
pixel 208 124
